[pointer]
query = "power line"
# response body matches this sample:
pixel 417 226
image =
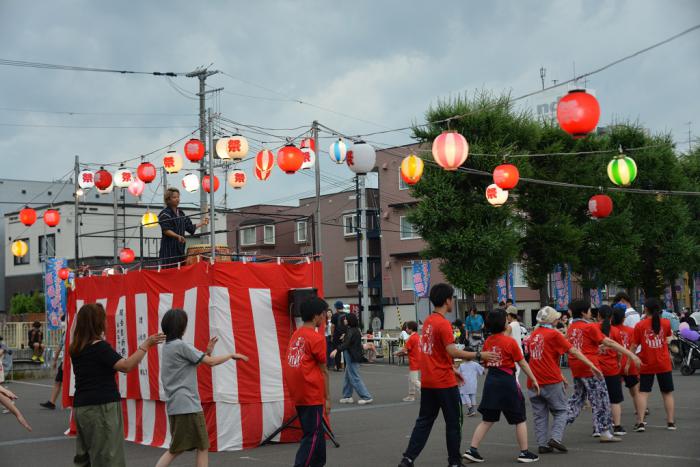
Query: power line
pixel 70 112
pixel 51 66
pixel 94 127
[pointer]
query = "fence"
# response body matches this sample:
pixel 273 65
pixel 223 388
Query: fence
pixel 16 335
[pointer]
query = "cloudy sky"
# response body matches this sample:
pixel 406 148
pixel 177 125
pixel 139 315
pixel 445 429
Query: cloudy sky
pixel 363 66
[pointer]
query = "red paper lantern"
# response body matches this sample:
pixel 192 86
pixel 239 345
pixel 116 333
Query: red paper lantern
pixel 194 150
pixel 52 217
pixel 206 184
pixel 265 160
pixel 64 274
pixel 27 216
pixel 600 206
pixel 578 113
pixel 506 176
pixel 308 143
pixel 450 150
pixel 103 179
pixel 290 159
pixel 262 175
pixel 127 255
pixel 146 172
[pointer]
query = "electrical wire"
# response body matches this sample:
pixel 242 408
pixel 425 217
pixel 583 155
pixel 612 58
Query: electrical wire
pixel 95 127
pixel 70 112
pixel 50 66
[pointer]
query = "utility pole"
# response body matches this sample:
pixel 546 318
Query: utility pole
pixel 76 217
pixel 115 236
pixel 212 206
pixel 365 262
pixel 543 73
pixel 689 136
pixel 317 169
pixel 358 241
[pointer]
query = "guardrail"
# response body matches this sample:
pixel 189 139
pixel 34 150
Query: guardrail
pixel 16 335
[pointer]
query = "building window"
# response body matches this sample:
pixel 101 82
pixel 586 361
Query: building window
pixel 408 230
pixel 301 232
pixel 248 235
pixel 406 277
pixel 519 275
pixel 269 235
pixel 349 224
pixel 47 246
pixel 24 259
pixel 402 185
pixel 351 271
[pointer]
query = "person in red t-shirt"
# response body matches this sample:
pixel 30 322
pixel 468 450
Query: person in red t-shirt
pixel 628 373
pixel 412 349
pixel 439 380
pixel 588 338
pixel 307 379
pixel 546 346
pixel 609 362
pixel 652 334
pixel 501 390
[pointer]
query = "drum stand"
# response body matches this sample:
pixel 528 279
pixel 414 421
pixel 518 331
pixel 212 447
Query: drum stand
pixel 288 424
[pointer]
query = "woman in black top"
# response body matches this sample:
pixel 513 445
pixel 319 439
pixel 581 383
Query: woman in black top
pixel 97 403
pixel 352 352
pixel 174 224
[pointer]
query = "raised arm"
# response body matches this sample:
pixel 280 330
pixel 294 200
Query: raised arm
pixel 620 349
pixel 125 365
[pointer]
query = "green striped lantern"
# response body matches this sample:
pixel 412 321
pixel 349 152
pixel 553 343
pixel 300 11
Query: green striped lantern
pixel 622 170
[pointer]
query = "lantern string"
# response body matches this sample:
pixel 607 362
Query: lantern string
pixel 51 66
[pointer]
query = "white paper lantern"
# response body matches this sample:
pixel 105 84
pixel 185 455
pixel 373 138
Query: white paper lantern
pixel 190 182
pixel 495 195
pixel 222 147
pixel 86 179
pixel 361 158
pixel 309 157
pixel 136 187
pixel 237 179
pixel 123 178
pixel 172 162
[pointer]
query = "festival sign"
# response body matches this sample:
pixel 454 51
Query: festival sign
pixel 421 278
pixel 54 292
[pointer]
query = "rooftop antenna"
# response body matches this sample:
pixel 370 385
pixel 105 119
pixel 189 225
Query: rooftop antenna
pixel 543 73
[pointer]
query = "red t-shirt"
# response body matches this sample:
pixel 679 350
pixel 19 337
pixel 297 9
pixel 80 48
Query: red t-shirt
pixel 546 346
pixel 626 337
pixel 654 354
pixel 586 337
pixel 607 358
pixel 507 350
pixel 436 364
pixel 307 350
pixel 413 349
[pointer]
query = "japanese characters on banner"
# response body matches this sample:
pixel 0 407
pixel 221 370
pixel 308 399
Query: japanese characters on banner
pixel 562 287
pixel 597 297
pixel 668 297
pixel 421 278
pixel 506 290
pixel 54 292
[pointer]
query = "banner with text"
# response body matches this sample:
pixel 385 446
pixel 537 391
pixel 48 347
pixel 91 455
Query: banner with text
pixel 54 292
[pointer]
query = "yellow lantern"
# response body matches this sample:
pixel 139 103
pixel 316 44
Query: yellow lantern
pixel 149 220
pixel 172 162
pixel 19 248
pixel 411 169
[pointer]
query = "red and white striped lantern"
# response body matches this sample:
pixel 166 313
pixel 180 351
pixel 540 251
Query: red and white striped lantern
pixel 450 150
pixel 262 175
pixel 265 160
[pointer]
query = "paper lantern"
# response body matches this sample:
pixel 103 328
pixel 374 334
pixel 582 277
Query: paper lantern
pixel 265 160
pixel 450 150
pixel 495 195
pixel 622 170
pixel 190 183
pixel 506 176
pixel 232 147
pixel 194 150
pixel 206 184
pixel 237 179
pixel 136 187
pixel 27 216
pixel 222 147
pixel 52 217
pixel 172 162
pixel 64 274
pixel 103 179
pixel 290 159
pixel 578 113
pixel 338 151
pixel 108 272
pixel 149 220
pixel 123 178
pixel 19 248
pixel 127 255
pixel 309 158
pixel 262 175
pixel 600 206
pixel 146 172
pixel 308 143
pixel 362 158
pixel 411 169
pixel 86 179
pixel 106 191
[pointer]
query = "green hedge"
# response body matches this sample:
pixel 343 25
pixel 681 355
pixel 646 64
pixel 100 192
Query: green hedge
pixel 23 303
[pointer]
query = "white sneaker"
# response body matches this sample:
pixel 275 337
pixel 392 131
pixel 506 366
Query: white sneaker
pixel 409 399
pixel 365 401
pixel 347 400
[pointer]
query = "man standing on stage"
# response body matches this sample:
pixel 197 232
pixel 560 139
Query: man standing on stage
pixel 174 224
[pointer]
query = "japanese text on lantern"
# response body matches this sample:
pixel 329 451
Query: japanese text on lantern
pixel 234 145
pixel 126 176
pixel 239 177
pixel 491 193
pixel 169 161
pixel 87 178
pixel 350 157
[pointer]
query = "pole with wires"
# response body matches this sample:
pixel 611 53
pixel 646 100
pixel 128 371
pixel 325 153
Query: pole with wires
pixel 115 237
pixel 317 169
pixel 212 210
pixel 76 215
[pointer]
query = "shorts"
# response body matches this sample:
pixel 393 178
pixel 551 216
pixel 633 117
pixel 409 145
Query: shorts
pixel 665 382
pixel 614 385
pixel 630 380
pixel 494 415
pixel 189 432
pixel 59 374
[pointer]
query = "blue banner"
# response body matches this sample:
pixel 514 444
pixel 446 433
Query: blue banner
pixel 696 291
pixel 668 297
pixel 597 297
pixel 505 292
pixel 421 278
pixel 54 292
pixel 562 288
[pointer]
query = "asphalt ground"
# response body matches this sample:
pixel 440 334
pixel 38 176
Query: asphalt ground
pixel 377 434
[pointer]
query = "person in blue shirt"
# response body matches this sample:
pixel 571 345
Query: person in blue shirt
pixel 673 318
pixel 474 322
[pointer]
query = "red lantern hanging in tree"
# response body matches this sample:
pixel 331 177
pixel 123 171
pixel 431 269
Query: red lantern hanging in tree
pixel 450 150
pixel 127 255
pixel 27 216
pixel 600 206
pixel 52 217
pixel 206 184
pixel 506 176
pixel 194 150
pixel 64 274
pixel 146 172
pixel 578 113
pixel 290 159
pixel 103 179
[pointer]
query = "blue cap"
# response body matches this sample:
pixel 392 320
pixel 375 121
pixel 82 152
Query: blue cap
pixel 339 305
pixel 621 306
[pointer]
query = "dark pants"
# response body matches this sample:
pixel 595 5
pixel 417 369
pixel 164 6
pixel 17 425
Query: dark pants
pixel 329 349
pixel 338 355
pixel 431 402
pixel 312 449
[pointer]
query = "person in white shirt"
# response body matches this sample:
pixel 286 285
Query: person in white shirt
pixel 513 330
pixel 632 317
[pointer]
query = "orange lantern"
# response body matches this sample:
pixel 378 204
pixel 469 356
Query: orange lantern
pixel 506 176
pixel 290 159
pixel 411 169
pixel 206 184
pixel 578 113
pixel 146 172
pixel 27 216
pixel 194 150
pixel 64 274
pixel 52 217
pixel 127 255
pixel 149 220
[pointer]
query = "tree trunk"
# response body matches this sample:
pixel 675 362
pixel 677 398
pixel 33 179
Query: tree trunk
pixel 674 296
pixel 489 297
